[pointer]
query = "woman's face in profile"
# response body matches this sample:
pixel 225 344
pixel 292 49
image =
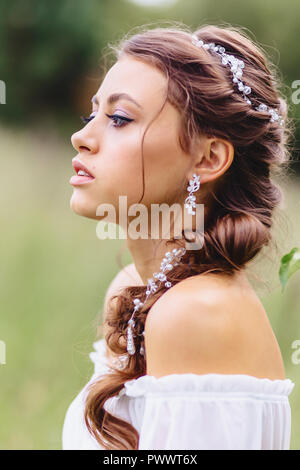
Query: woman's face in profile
pixel 110 147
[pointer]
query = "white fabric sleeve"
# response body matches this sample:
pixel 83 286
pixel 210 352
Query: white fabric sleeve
pixel 99 358
pixel 117 405
pixel 211 411
pixel 75 434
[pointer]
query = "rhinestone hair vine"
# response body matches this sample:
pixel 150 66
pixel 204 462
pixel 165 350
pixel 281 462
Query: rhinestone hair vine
pixel 166 265
pixel 236 67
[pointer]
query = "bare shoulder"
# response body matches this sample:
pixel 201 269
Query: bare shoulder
pixel 211 324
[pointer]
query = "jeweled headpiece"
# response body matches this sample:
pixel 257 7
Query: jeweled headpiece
pixel 236 67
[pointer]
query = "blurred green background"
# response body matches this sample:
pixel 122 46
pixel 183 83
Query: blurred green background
pixel 54 269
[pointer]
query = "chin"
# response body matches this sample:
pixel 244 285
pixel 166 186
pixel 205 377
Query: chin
pixel 81 207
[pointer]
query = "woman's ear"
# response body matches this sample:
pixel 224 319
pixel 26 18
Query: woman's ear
pixel 212 158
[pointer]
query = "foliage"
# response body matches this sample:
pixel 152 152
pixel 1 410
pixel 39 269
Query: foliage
pixel 290 263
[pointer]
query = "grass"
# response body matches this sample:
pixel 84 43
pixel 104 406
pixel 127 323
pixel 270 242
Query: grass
pixel 54 275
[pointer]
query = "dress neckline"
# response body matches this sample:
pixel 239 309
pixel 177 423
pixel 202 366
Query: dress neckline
pixel 208 383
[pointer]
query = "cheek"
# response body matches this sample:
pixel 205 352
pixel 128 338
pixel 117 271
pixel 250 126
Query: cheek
pixel 165 165
pixel 118 171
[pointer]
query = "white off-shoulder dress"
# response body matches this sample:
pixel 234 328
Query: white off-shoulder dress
pixel 191 411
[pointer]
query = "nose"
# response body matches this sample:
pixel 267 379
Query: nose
pixel 84 140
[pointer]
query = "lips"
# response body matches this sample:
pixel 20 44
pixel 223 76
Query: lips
pixel 77 165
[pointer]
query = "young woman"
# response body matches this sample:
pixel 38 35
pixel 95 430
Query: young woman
pixel 189 359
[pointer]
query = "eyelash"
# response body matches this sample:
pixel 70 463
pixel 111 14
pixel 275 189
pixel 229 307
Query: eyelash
pixel 123 120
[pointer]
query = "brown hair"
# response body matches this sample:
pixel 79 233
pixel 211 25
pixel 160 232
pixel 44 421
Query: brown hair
pixel 242 203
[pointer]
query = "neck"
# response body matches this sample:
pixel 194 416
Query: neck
pixel 148 254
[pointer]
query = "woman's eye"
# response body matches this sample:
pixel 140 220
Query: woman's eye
pixel 119 121
pixel 86 119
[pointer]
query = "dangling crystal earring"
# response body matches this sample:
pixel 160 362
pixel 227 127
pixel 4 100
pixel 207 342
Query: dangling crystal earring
pixel 194 185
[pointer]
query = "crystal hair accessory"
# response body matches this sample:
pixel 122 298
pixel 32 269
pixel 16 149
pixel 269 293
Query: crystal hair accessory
pixel 166 265
pixel 194 185
pixel 236 67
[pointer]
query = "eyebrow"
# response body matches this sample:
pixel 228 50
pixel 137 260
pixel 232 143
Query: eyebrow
pixel 116 97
